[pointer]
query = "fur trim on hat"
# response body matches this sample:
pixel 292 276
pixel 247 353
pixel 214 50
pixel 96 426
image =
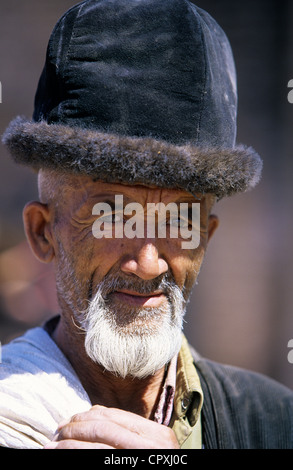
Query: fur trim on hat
pixel 131 160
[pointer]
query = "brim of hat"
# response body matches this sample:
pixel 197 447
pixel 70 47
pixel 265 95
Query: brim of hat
pixel 133 160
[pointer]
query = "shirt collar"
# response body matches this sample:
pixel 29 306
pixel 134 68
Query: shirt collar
pixel 188 398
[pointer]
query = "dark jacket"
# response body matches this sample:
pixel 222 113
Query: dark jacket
pixel 243 410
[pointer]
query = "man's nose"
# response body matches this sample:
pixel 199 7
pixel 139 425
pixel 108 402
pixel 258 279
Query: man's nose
pixel 145 262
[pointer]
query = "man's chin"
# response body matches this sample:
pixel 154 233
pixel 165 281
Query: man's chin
pixel 138 321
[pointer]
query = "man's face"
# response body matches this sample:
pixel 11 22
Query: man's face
pixel 128 294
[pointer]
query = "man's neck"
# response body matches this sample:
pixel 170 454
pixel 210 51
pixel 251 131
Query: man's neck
pixel 139 396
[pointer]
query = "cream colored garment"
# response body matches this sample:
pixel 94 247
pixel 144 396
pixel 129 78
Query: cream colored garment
pixel 38 390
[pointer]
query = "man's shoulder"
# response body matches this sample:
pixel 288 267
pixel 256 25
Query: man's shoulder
pixel 241 382
pixel 38 389
pixel 33 357
pixel 31 353
pixel 243 408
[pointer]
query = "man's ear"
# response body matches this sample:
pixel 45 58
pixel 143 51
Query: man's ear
pixel 36 219
pixel 213 224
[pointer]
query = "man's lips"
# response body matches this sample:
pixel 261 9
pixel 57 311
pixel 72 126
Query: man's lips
pixel 154 299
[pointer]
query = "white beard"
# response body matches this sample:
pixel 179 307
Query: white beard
pixel 134 342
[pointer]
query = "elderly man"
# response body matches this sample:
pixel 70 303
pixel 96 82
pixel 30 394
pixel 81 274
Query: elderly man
pixel 135 109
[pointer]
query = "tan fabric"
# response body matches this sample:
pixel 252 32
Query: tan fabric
pixel 188 401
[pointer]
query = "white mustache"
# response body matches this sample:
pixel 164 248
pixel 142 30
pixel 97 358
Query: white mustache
pixel 164 283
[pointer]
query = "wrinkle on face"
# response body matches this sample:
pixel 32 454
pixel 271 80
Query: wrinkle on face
pixel 73 197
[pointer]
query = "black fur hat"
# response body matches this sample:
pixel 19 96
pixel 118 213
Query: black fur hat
pixel 138 91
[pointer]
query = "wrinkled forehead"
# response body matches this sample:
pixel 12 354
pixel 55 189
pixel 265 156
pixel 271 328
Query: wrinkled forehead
pixel 53 184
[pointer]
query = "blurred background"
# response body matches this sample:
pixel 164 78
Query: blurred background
pixel 241 310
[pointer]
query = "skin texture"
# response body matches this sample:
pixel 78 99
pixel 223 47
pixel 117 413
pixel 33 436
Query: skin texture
pixel 122 412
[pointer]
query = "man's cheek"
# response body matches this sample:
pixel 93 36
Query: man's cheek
pixel 191 277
